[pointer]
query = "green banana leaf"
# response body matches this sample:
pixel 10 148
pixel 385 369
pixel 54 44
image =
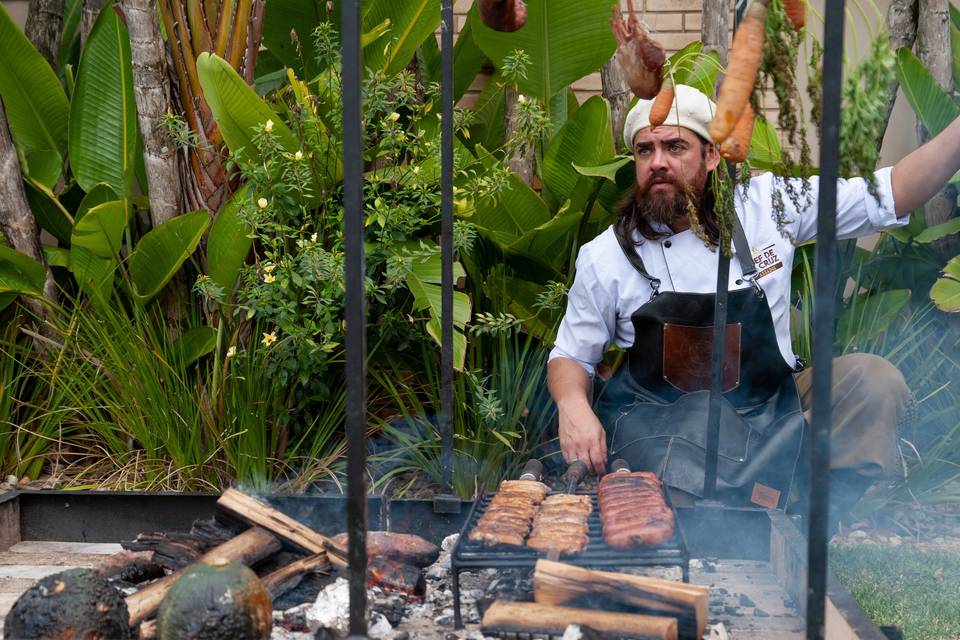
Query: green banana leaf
pixel 103 115
pixel 870 315
pixel 48 211
pixel 522 304
pixel 35 102
pixel 549 243
pixel 100 231
pixel 100 194
pixel 44 165
pixel 162 251
pixel 934 106
pixel 764 145
pixel 488 110
pixel 467 60
pixel 608 170
pixel 565 40
pixel 411 22
pixel 938 231
pixel 70 33
pixel 56 256
pixel 192 345
pixel 585 139
pixel 955 53
pixel 945 292
pixel 424 279
pixel 20 274
pixel 229 242
pixel 516 210
pixel 283 16
pixel 95 275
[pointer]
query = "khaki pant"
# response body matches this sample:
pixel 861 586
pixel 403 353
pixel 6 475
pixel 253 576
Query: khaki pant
pixel 871 401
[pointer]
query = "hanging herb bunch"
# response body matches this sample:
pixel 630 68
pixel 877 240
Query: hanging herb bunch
pixel 780 59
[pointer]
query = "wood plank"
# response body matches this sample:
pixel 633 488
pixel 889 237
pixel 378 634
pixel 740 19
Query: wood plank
pixel 8 559
pixel 32 572
pixel 43 546
pixel 532 617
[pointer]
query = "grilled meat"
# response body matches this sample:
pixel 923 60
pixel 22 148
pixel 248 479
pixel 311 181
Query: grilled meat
pixel 561 524
pixel 633 510
pixel 510 512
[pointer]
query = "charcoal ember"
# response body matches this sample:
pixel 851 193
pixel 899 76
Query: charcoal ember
pixel 511 584
pixel 306 591
pixel 77 603
pixel 503 15
pixel 130 567
pixel 392 575
pixel 391 607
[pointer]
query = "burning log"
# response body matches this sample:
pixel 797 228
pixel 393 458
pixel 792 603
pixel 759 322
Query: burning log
pixel 248 547
pixel 131 566
pixel 288 576
pixel 556 583
pixel 77 603
pixel 404 547
pixel 392 575
pixel 176 550
pixel 536 618
pixel 256 512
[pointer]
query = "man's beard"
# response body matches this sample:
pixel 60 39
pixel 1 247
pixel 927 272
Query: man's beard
pixel 667 209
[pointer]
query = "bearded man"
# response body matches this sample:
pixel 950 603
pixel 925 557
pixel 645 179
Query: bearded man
pixel 648 284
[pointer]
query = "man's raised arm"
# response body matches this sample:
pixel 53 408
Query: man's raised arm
pixel 922 173
pixel 581 435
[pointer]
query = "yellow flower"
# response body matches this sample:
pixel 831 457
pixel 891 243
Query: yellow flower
pixel 268 126
pixel 232 351
pixel 269 338
pixel 269 268
pixel 313 237
pixel 416 170
pixel 521 98
pixel 262 203
pixel 269 278
pixel 393 116
pixel 298 156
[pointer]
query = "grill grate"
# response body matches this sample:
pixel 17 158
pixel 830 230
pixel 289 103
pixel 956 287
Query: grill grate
pixel 469 555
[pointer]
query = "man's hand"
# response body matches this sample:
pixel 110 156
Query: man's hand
pixel 581 434
pixel 582 438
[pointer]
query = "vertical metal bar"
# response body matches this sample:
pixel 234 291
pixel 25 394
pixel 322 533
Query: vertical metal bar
pixel 446 244
pixel 354 302
pixel 719 340
pixel 825 281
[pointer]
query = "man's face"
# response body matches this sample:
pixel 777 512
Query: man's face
pixel 672 165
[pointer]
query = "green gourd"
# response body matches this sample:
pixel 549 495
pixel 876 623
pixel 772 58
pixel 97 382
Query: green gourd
pixel 218 600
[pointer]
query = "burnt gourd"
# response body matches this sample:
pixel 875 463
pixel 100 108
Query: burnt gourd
pixel 215 601
pixel 77 603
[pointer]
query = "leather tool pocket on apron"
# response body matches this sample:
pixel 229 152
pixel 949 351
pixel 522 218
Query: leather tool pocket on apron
pixel 687 352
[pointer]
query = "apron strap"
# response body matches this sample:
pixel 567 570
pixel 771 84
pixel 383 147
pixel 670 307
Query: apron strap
pixel 744 256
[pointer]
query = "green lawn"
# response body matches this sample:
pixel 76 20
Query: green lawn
pixel 918 591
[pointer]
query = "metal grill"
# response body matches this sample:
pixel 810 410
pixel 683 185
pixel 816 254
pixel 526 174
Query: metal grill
pixel 598 554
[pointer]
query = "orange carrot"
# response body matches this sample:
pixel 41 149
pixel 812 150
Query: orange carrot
pixel 796 11
pixel 741 72
pixel 736 147
pixel 661 104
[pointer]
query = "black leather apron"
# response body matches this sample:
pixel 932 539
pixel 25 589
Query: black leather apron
pixel 655 408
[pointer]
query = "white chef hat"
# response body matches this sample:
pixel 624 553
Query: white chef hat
pixel 691 109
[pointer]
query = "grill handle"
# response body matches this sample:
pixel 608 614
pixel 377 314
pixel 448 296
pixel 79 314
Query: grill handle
pixel 619 465
pixel 533 470
pixel 576 471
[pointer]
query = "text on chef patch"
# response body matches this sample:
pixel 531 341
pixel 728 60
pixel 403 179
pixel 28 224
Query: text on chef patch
pixel 767 261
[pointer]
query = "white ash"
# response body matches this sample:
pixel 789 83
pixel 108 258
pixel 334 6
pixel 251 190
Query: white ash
pixel 331 610
pixel 573 632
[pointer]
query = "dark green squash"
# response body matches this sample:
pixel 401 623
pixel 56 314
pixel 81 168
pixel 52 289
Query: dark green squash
pixel 73 604
pixel 216 601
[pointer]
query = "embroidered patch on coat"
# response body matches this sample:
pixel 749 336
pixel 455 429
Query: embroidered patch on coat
pixel 766 260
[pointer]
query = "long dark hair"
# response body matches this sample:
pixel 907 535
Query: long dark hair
pixel 630 215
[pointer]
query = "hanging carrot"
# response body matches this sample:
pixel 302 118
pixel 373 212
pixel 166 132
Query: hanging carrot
pixel 661 104
pixel 503 15
pixel 741 72
pixel 796 11
pixel 737 146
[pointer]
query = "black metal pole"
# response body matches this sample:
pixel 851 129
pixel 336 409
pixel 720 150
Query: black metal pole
pixel 719 344
pixel 825 281
pixel 354 302
pixel 446 245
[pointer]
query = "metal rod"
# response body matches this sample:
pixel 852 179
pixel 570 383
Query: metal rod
pixel 825 282
pixel 719 343
pixel 446 245
pixel 355 315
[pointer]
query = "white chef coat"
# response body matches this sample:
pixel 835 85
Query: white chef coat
pixel 607 289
